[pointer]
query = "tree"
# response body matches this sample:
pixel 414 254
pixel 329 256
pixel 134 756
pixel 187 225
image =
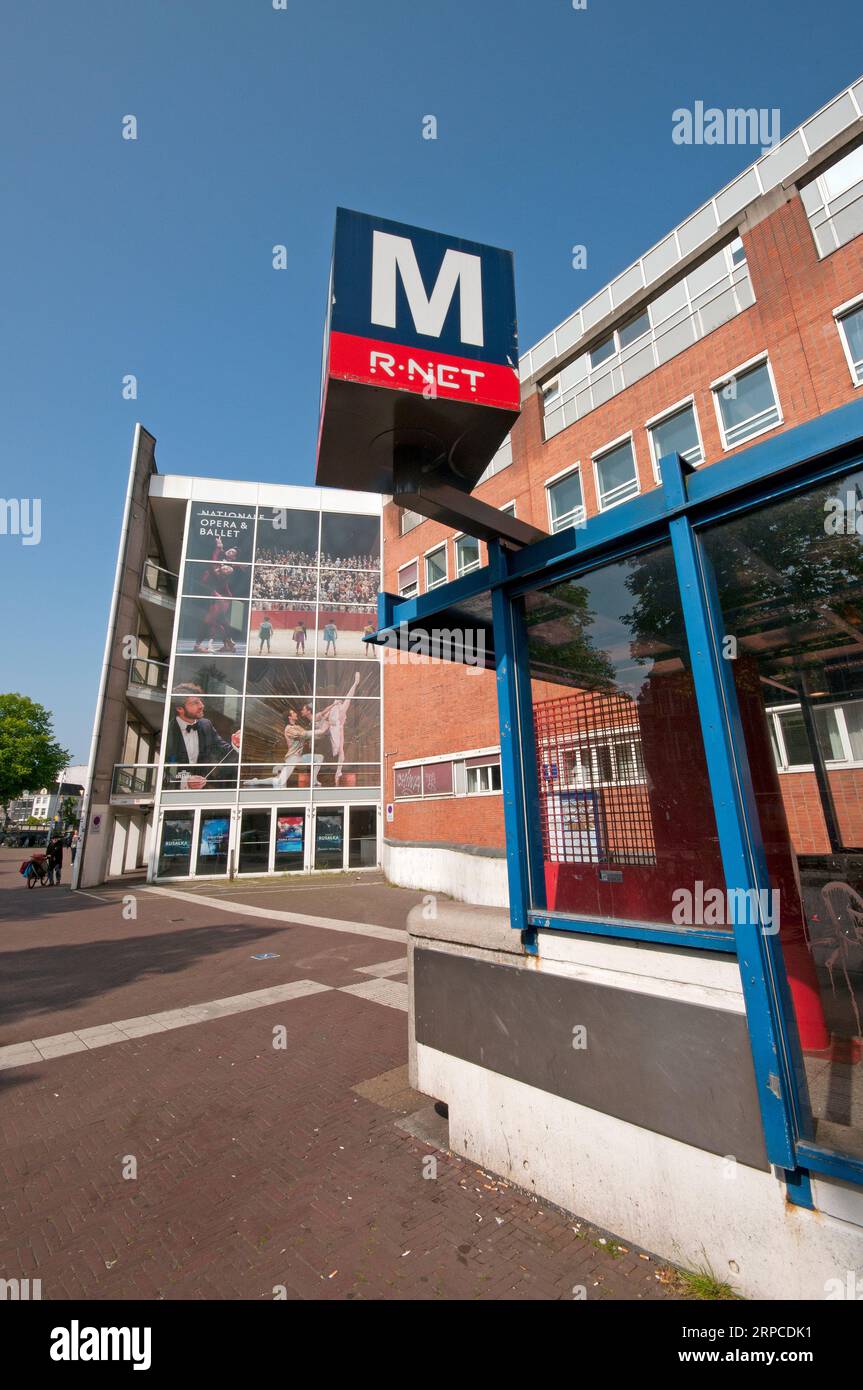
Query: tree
pixel 29 754
pixel 69 811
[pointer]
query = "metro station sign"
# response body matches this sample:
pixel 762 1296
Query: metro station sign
pixel 421 351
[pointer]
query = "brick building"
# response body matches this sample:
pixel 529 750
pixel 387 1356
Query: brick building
pixel 746 319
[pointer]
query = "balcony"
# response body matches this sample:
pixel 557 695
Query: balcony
pixel 134 784
pixel 158 585
pixel 148 679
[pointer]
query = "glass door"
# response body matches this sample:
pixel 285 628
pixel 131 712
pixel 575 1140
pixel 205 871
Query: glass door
pixel 175 845
pixel 254 847
pixel 363 837
pixel 214 836
pixel 329 837
pixel 290 848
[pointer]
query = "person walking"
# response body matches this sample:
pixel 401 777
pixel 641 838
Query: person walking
pixel 55 860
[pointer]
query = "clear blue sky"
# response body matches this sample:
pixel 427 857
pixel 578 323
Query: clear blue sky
pixel 154 257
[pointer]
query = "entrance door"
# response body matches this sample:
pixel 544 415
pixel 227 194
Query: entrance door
pixel 290 848
pixel 214 835
pixel 175 847
pixel 363 837
pixel 254 855
pixel 329 837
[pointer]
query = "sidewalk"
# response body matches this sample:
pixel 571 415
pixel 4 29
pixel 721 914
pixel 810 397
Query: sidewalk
pixel 179 1119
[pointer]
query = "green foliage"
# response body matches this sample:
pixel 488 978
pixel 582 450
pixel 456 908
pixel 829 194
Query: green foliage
pixel 29 754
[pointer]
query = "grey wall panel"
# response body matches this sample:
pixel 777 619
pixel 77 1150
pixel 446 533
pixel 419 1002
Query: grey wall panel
pixel 669 1066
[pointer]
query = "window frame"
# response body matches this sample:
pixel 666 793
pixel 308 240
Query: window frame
pixel 470 569
pixel 427 554
pixel 596 459
pixel 762 359
pixel 660 419
pixel 844 311
pixel 559 478
pixel 406 565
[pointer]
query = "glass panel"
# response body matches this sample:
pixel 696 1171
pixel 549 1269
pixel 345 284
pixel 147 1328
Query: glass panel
pixel 625 835
pixel 617 475
pixel 290 840
pixel 286 537
pixel 467 554
pixel 747 404
pixel 852 326
pixel 678 435
pixel 363 841
pixel 329 838
pixel 219 531
pixel 636 328
pixel 175 851
pixel 254 843
pixel 436 567
pixel 854 726
pixel 844 173
pixel 602 352
pixel 213 837
pixel 790 581
pixel 567 501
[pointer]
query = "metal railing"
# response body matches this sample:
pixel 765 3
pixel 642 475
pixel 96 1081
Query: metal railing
pixel 156 580
pixel 134 779
pixel 148 675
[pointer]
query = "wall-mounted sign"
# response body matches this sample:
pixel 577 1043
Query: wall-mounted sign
pixel 421 351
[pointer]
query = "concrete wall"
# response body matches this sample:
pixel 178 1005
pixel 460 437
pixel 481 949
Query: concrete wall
pixel 457 872
pixel 697 1206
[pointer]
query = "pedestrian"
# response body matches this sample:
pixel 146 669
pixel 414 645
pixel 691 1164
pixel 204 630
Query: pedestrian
pixel 74 845
pixel 55 860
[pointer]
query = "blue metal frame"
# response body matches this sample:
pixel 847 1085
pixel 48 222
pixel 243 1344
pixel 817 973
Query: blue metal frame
pixel 793 461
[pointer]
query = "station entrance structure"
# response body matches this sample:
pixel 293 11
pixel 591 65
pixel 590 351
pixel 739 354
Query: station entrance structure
pixel 667 1040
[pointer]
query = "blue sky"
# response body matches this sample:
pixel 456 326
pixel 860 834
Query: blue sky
pixel 154 257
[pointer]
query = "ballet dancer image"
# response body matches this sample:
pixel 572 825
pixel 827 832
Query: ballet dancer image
pixel 331 720
pixel 296 734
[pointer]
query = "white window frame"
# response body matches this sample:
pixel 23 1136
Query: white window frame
pixel 558 478
pixel 503 506
pixel 433 550
pixel 838 315
pixel 484 791
pixel 599 455
pixel 761 359
pixel 470 569
pixel 406 565
pixel 775 712
pixel 651 424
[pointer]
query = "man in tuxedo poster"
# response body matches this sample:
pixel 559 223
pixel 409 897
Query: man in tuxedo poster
pixel 196 755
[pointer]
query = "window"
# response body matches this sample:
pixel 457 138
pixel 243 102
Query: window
pixel 840 735
pixel 408 580
pixel 851 332
pixel 565 501
pixel 636 328
pixel 508 510
pixel 483 779
pixel 746 404
pixel 616 475
pixel 677 434
pixel 603 351
pixel 436 567
pixel 683 312
pixel 834 202
pixel 466 555
pixel 408 520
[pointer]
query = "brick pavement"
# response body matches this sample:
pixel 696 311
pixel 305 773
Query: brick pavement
pixel 261 1170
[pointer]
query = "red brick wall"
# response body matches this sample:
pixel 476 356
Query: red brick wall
pixel 792 320
pixel 803 809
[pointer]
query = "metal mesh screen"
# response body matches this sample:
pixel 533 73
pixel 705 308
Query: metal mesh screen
pixel 595 807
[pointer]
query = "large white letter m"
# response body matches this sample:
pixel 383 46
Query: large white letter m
pixel 391 253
